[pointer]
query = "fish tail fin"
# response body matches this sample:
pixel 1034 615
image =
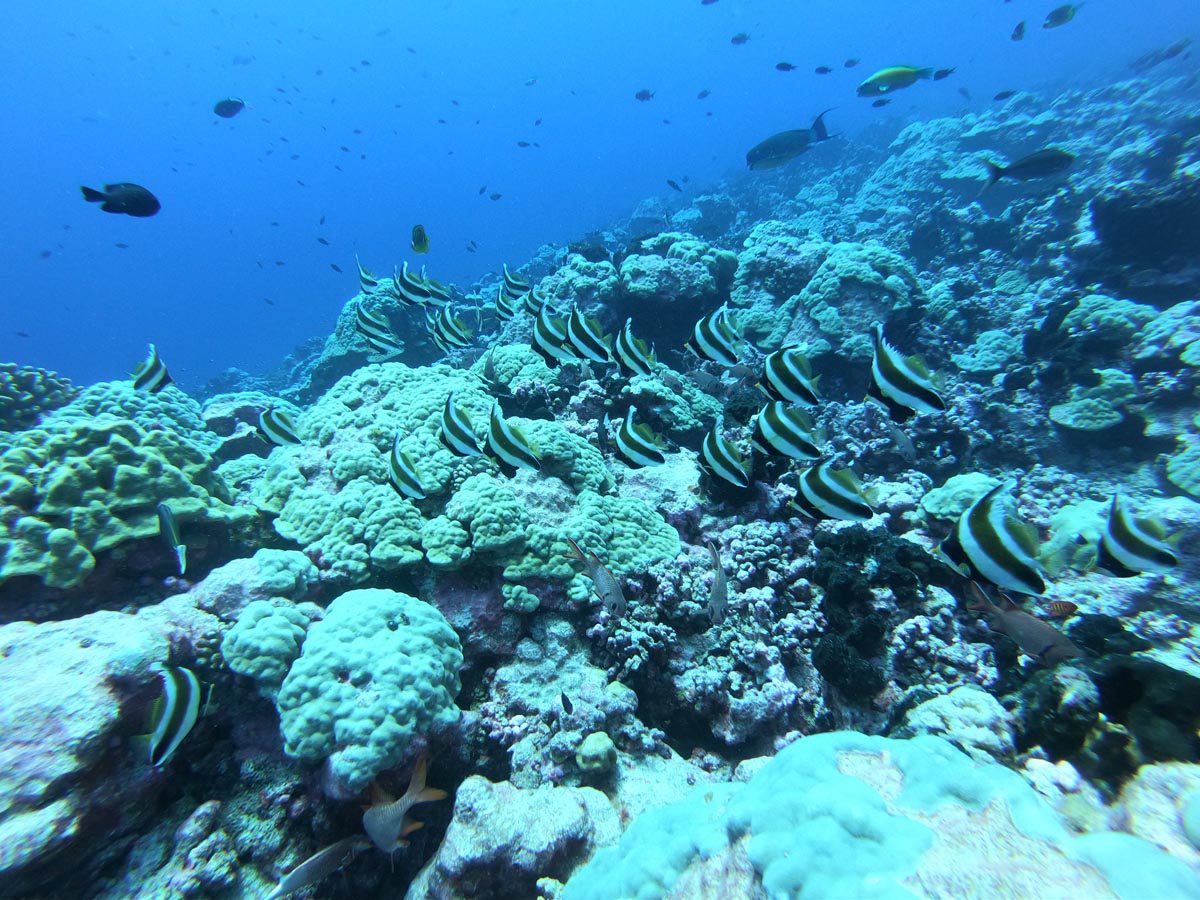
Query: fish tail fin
pixel 417 791
pixel 995 173
pixel 575 552
pixel 925 73
pixel 820 132
pixel 91 195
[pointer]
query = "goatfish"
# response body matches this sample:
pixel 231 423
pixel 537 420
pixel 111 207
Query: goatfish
pixel 151 375
pixel 893 78
pixel 366 279
pixel 718 597
pixel 175 711
pixel 1061 15
pixel 780 149
pixel 1130 546
pixel 320 866
pixel 420 239
pixel 277 426
pixel 403 475
pixel 825 494
pixel 515 285
pixel 376 330
pixel 902 385
pixel 604 583
pixel 787 376
pixel 534 302
pixel 386 820
pixel 587 339
pixel 990 545
pixel 549 338
pixel 715 339
pixel 1037 639
pixel 505 306
pixel 1040 164
pixel 508 446
pixel 448 331
pixel 723 459
pixel 638 445
pixel 456 433
pixel 633 355
pixel 410 289
pixel 168 527
pixel 784 431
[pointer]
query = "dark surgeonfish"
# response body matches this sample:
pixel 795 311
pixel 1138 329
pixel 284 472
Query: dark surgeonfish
pixel 1130 546
pixel 782 148
pixel 168 527
pixel 989 544
pixel 175 712
pixel 320 866
pixel 125 197
pixel 901 384
pixel 1037 639
pixel 1061 15
pixel 1040 164
pixel 151 375
pixel 605 584
pixel 386 820
pixel 229 107
pixel 1018 33
pixel 827 495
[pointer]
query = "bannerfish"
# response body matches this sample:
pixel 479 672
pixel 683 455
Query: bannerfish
pixel 504 306
pixel 714 338
pixel 721 458
pixel 151 375
pixel 785 67
pixel 784 430
pixel 508 446
pixel 1037 639
pixel 1018 33
pixel 587 339
pixel 376 330
pixel 367 281
pixel 447 330
pixel 533 302
pixel 718 596
pixel 515 285
pixel 788 376
pixel 168 527
pixel 1061 15
pixel 826 494
pixel 637 445
pixel 175 711
pixel 549 338
pixel 643 95
pixel 229 107
pixel 782 148
pixel 1040 164
pixel 988 544
pixel 125 197
pixel 320 866
pixel 604 583
pixel 1130 546
pixel 386 820
pixel 278 427
pixel 403 475
pixel 456 433
pixel 633 355
pixel 892 79
pixel 410 289
pixel 420 239
pixel 902 385
pixel 567 705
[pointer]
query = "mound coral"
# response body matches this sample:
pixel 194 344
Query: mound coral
pixel 27 392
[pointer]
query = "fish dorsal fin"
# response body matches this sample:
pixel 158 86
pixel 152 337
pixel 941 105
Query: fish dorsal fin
pixel 800 417
pixel 380 797
pixel 803 365
pixel 1007 604
pixel 917 364
pixel 643 431
pixel 1023 533
pixel 845 478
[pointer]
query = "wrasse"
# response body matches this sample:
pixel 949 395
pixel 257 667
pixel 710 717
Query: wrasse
pixel 168 527
pixel 826 494
pixel 788 376
pixel 605 584
pixel 723 459
pixel 278 427
pixel 715 339
pixel 403 475
pixel 175 712
pixel 376 330
pixel 902 385
pixel 587 339
pixel 386 820
pixel 637 444
pixel 786 431
pixel 1130 546
pixel 151 375
pixel 893 78
pixel 508 446
pixel 456 433
pixel 989 545
pixel 632 354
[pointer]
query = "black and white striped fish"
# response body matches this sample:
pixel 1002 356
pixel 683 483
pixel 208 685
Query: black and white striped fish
pixel 151 375
pixel 278 427
pixel 587 339
pixel 505 306
pixel 787 376
pixel 168 527
pixel 514 285
pixel 533 302
pixel 988 544
pixel 1130 546
pixel 366 279
pixel 633 355
pixel 714 338
pixel 448 331
pixel 638 445
pixel 175 712
pixel 376 330
pixel 824 494
pixel 456 433
pixel 439 294
pixel 549 339
pixel 786 431
pixel 508 446
pixel 723 459
pixel 403 475
pixel 902 384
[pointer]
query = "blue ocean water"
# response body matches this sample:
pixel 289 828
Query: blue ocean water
pixel 429 100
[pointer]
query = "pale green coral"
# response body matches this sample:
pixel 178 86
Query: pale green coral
pixel 1116 320
pixel 447 544
pixel 266 640
pixel 1183 469
pixel 991 352
pixel 490 510
pixel 519 598
pixel 1074 532
pixel 676 401
pixel 952 499
pixel 566 455
pixel 1098 407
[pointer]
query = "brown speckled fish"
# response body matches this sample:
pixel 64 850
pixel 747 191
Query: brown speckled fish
pixel 386 819
pixel 1036 638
